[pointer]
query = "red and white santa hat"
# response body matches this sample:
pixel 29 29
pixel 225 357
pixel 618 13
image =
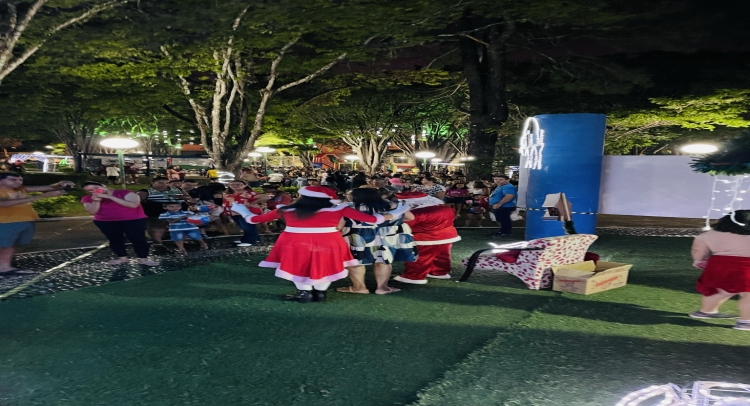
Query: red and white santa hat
pixel 321 192
pixel 417 200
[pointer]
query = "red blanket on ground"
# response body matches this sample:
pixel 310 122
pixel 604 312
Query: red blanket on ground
pixel 731 274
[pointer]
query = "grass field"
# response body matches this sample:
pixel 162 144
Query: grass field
pixel 219 335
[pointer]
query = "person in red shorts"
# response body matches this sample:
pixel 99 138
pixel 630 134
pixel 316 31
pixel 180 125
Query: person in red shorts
pixel 434 235
pixel 724 256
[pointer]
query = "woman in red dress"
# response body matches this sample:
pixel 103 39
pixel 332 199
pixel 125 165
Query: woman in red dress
pixel 724 255
pixel 311 251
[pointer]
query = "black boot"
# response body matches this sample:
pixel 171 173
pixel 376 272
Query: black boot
pixel 319 295
pixel 302 296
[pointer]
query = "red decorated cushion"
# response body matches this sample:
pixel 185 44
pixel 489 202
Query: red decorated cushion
pixel 591 256
pixel 509 256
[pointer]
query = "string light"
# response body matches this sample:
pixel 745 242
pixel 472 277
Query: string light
pixel 736 190
pixel 700 394
pixel 532 143
pixel 637 397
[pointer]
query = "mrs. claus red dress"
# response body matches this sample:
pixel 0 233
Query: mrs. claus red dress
pixel 311 251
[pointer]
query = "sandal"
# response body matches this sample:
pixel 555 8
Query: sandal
pixel 385 292
pixel 148 262
pixel 118 261
pixel 348 289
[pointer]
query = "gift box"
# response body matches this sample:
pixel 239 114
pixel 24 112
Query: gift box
pixel 586 278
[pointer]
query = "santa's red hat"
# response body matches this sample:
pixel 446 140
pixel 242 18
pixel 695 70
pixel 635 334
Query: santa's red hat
pixel 320 192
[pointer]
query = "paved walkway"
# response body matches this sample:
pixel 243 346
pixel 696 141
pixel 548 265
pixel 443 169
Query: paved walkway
pixel 62 234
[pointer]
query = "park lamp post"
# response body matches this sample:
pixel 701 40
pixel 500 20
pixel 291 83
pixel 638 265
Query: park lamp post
pixel 425 155
pixel 119 144
pixel 265 151
pixel 466 158
pixel 354 159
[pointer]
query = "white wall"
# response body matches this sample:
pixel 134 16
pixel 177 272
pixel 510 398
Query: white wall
pixel 656 185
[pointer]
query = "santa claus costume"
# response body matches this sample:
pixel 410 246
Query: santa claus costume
pixel 434 235
pixel 311 251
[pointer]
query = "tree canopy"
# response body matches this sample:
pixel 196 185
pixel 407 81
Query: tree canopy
pixel 455 78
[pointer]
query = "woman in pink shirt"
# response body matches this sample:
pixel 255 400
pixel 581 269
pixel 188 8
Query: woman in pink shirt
pixel 456 196
pixel 118 214
pixel 724 256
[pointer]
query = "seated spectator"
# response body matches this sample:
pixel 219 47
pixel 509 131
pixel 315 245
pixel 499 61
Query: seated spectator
pixel 430 187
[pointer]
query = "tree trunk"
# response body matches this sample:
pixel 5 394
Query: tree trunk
pixel 484 69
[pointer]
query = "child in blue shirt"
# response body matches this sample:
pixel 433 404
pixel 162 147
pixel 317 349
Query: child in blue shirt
pixel 178 226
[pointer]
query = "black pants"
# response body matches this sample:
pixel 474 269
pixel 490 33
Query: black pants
pixel 502 215
pixel 116 231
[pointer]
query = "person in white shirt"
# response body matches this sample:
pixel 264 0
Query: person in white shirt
pixel 113 173
pixel 276 177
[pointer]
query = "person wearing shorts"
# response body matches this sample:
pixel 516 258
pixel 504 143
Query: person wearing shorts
pixel 179 227
pixel 17 216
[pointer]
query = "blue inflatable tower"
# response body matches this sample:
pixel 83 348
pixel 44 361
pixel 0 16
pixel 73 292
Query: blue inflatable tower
pixel 562 153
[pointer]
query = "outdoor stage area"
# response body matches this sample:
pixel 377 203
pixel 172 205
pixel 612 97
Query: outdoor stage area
pixel 213 331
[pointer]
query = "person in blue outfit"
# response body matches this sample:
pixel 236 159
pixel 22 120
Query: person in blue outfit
pixel 179 227
pixel 503 203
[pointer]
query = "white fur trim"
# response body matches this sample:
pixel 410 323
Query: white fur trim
pixel 421 202
pixel 249 219
pixel 307 281
pixel 412 281
pixel 335 208
pixel 310 230
pixel 439 242
pixel 446 276
pixel 379 218
pixel 309 193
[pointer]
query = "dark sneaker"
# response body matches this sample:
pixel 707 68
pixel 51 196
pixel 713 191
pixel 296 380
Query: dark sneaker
pixel 499 235
pixel 718 315
pixel 742 325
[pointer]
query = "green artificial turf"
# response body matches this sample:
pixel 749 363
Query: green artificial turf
pixel 219 335
pixel 592 350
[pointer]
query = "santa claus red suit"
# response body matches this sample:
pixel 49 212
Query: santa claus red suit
pixel 434 235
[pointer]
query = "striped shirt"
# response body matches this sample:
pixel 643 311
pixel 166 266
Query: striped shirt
pixel 154 203
pixel 182 224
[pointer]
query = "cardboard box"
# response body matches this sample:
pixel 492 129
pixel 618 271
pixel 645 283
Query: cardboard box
pixel 585 278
